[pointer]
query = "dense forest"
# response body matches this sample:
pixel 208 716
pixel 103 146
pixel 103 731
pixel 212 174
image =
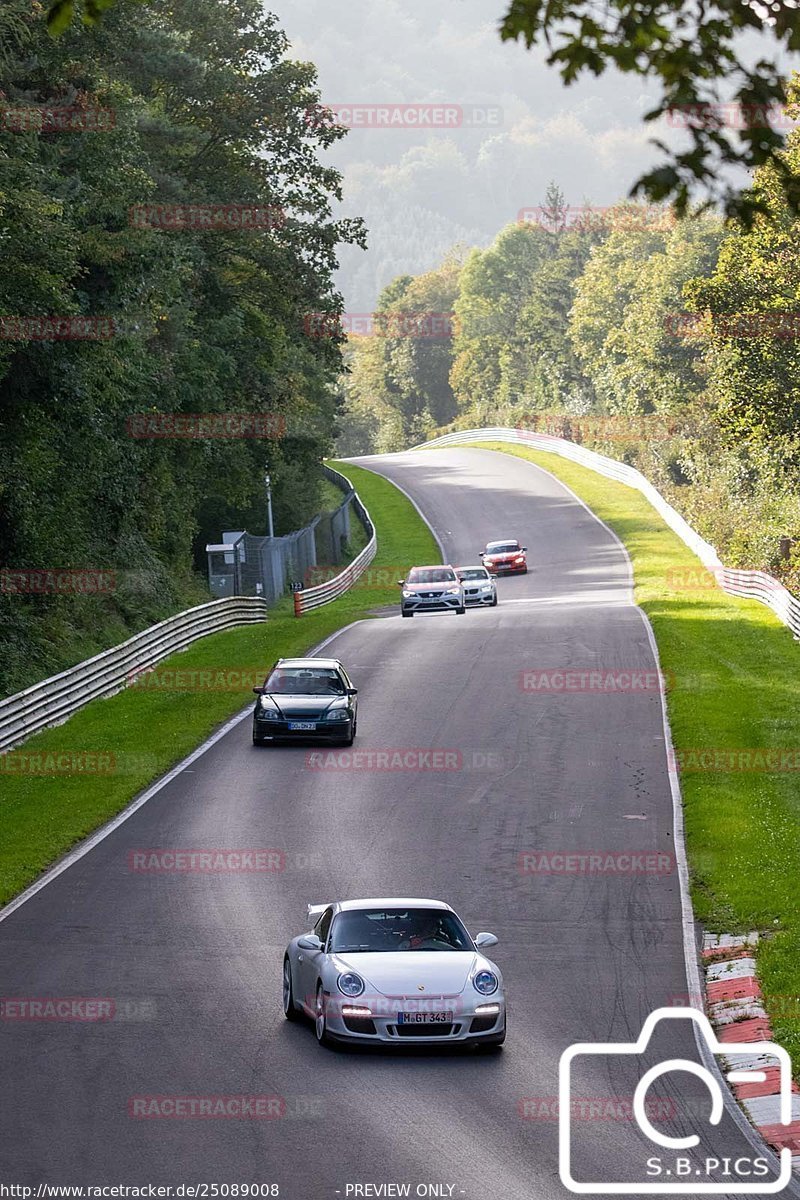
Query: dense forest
pixel 114 141
pixel 670 344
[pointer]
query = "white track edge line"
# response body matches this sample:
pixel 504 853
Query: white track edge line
pixel 410 499
pixel 102 833
pixel 687 915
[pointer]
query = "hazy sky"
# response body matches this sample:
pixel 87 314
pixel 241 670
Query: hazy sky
pixel 421 192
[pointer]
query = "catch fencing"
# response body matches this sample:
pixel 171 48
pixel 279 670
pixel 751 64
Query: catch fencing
pixel 245 564
pixel 754 585
pixel 308 598
pixel 53 700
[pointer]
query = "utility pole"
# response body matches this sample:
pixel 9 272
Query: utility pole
pixel 268 485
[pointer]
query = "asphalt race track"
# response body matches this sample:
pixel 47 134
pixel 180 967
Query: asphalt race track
pixel 193 961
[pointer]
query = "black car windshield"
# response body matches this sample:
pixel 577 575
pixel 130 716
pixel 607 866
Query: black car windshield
pixel 384 930
pixel 473 573
pixel 431 575
pixel 305 681
pixel 502 547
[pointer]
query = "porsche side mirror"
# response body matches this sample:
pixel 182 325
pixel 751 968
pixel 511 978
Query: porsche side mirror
pixel 310 942
pixel 484 940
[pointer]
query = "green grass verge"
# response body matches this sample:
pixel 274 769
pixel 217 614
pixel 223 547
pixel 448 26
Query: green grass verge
pixel 737 687
pixel 140 733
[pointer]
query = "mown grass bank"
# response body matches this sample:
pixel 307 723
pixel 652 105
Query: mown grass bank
pixel 737 691
pixel 137 735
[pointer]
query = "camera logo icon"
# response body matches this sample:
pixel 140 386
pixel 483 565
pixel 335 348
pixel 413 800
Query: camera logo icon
pixel 752 1072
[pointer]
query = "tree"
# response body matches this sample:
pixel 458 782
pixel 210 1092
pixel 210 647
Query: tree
pixel 690 49
pixel 655 369
pixel 749 327
pixel 602 296
pixel 495 285
pixel 550 373
pixel 207 110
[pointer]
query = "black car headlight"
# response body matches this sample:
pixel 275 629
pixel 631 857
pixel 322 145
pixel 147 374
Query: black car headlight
pixel 267 711
pixel 337 714
pixel 350 984
pixel 485 982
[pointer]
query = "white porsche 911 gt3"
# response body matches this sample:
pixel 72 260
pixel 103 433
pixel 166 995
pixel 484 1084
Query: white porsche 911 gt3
pixel 394 970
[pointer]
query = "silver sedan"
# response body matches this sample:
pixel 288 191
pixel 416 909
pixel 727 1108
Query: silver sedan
pixel 394 970
pixel 480 588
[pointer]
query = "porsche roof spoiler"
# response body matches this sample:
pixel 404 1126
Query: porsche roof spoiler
pixel 316 910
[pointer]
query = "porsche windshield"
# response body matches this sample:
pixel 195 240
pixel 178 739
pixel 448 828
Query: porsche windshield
pixel 387 930
pixel 303 681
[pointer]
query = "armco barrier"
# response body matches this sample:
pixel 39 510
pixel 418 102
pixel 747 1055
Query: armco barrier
pixel 324 593
pixel 53 700
pixel 755 585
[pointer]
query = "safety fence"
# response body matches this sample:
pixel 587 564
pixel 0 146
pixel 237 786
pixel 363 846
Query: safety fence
pixel 53 700
pixel 307 598
pixel 755 585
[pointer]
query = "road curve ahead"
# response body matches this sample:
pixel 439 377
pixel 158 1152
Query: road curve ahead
pixel 544 778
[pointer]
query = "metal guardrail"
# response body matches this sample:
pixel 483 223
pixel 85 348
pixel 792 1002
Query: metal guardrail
pixel 53 700
pixel 332 589
pixel 754 585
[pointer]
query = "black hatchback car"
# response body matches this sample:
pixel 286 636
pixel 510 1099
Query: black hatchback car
pixel 306 698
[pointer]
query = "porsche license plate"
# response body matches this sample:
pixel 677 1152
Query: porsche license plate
pixel 425 1018
pixel 302 726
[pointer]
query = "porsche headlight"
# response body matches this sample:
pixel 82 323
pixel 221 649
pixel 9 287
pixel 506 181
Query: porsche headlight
pixel 350 984
pixel 485 982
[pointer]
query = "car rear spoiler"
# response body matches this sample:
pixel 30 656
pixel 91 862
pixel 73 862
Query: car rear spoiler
pixel 316 910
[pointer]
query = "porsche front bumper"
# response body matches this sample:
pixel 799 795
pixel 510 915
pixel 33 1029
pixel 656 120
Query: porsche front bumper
pixel 480 1020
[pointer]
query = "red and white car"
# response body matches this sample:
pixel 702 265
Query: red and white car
pixel 505 558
